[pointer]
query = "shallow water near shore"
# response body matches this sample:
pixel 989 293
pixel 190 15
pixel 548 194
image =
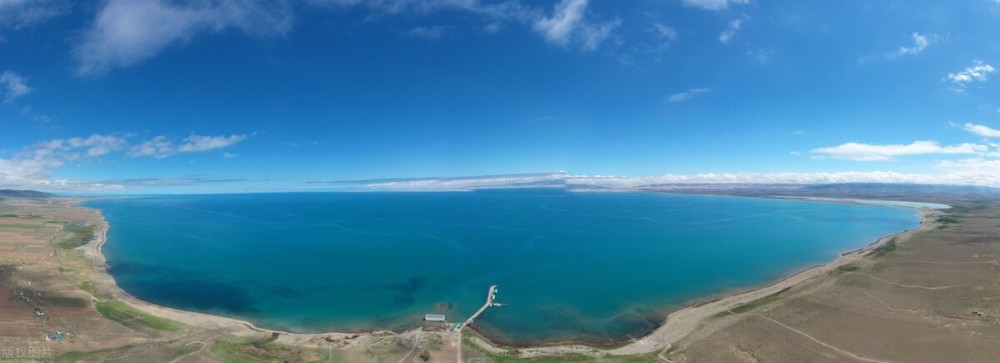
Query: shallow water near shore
pixel 591 267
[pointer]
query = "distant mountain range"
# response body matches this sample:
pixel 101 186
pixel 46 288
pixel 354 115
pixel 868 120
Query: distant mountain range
pixel 882 191
pixel 12 193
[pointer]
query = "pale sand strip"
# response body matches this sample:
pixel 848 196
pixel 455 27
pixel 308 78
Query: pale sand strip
pixel 677 325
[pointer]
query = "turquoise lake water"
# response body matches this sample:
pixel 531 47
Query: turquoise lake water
pixel 594 267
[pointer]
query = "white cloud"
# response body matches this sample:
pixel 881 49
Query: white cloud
pixel 567 24
pixel 78 147
pixel 977 171
pixel 683 96
pixel 668 33
pixel 714 5
pixel 868 152
pixel 126 32
pixel 158 147
pixel 567 16
pixel 920 43
pixel 734 27
pixel 14 85
pixel 981 130
pixel 32 167
pixel 964 172
pixel 978 72
pixel 161 146
pixel 18 14
pixel 199 143
pixel 765 178
pixel 761 56
pixel 429 32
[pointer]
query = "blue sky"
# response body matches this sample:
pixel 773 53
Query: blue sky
pixel 151 96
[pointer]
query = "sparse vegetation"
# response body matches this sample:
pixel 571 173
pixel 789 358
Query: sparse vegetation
pixel 752 305
pixel 845 268
pixel 79 235
pixel 133 318
pixel 512 356
pixel 71 302
pixel 947 220
pixel 264 350
pixel 884 249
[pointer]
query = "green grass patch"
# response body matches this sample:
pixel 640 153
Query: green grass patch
pixel 133 318
pixel 231 352
pixel 263 350
pixel 844 269
pixel 511 356
pixel 8 215
pixel 884 249
pixel 78 234
pixel 66 302
pixel 752 305
pixel 848 268
pixel 98 355
pixel 947 219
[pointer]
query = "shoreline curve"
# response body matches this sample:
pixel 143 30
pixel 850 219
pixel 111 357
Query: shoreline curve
pixel 675 326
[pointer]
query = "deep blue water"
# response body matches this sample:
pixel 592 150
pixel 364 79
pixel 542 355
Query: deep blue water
pixel 596 267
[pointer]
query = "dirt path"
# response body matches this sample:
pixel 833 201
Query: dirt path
pixel 910 286
pixel 203 345
pixel 838 350
pixel 416 343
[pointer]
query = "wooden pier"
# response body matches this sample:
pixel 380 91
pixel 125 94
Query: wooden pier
pixel 492 294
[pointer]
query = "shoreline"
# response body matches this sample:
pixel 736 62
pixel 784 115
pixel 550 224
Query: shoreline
pixel 93 253
pixel 676 324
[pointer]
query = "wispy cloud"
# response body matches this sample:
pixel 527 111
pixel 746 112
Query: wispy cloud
pixel 14 86
pixel 199 143
pixel 984 131
pixel 978 72
pixel 761 56
pixel 75 148
pixel 869 152
pixel 668 33
pixel 685 95
pixel 126 32
pixel 161 146
pixel 429 33
pixel 18 14
pixel 964 172
pixel 32 167
pixel 714 5
pixel 920 42
pixel 734 27
pixel 567 24
pixel 564 21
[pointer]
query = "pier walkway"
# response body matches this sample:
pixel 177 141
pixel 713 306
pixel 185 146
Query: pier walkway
pixel 489 302
pixel 457 332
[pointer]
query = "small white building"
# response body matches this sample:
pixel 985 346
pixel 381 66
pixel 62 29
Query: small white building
pixel 434 317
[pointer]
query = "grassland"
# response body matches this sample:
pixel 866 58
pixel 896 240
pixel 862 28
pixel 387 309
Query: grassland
pixel 939 287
